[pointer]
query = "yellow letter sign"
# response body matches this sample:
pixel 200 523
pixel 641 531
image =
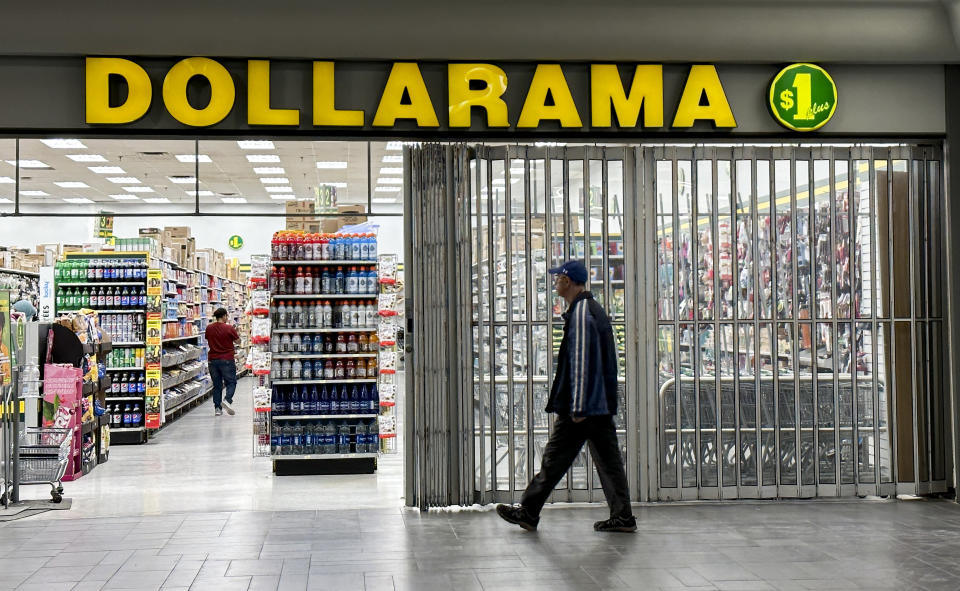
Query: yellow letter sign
pixel 222 92
pixel 549 79
pixel 606 89
pixel 462 98
pixel 325 110
pixel 703 79
pixel 259 111
pixel 405 76
pixel 139 95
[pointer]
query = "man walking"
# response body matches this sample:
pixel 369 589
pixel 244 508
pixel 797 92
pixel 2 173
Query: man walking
pixel 221 360
pixel 584 397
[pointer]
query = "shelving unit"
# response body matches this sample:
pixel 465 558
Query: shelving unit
pixel 290 432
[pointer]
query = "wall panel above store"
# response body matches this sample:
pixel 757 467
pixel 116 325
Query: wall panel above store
pixel 744 30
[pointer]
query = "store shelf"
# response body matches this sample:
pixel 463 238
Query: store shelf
pixel 124 369
pixel 137 398
pixel 320 417
pixel 304 330
pixel 350 263
pixel 344 381
pixel 18 272
pixel 173 339
pixel 324 456
pixel 186 402
pixel 130 344
pixel 320 355
pixel 110 311
pixel 126 429
pixel 325 296
pixel 104 284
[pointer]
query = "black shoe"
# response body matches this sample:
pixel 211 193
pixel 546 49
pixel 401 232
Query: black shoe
pixel 519 516
pixel 621 524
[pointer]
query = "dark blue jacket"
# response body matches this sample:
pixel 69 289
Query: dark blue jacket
pixel 586 381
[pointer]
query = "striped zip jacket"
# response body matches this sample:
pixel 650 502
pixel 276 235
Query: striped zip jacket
pixel 586 381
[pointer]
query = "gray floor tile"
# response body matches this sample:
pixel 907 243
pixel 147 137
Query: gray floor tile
pixel 263 566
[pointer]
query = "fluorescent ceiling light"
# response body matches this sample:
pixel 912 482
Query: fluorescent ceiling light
pixel 124 197
pixel 384 200
pixel 284 197
pixel 269 170
pixel 203 193
pixel 274 180
pixel 391 170
pixel 138 190
pixel 124 180
pixel 388 159
pixel 386 189
pixel 499 182
pixel 86 157
pixel 255 145
pixel 331 164
pixel 106 169
pixel 28 163
pixel 549 144
pixel 156 200
pixel 77 200
pixel 72 185
pixel 390 180
pixel 63 144
pixel 337 185
pixel 4 200
pixel 233 199
pixel 5 180
pixel 183 180
pixel 263 158
pixel 394 146
pixel 191 158
pixel 35 193
pixel 279 189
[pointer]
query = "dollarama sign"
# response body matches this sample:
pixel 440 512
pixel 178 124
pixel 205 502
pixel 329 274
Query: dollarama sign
pixel 803 97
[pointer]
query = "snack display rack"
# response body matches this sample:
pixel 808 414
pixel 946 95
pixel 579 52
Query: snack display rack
pixel 309 430
pixel 390 311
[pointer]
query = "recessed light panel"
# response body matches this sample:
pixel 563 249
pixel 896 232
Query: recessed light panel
pixel 392 159
pixel 233 200
pixel 183 180
pixel 28 163
pixel 279 189
pixel 192 158
pixel 394 146
pixel 123 180
pixel 72 185
pixel 5 180
pixel 262 158
pixel 391 170
pixel 331 164
pixel 269 170
pixel 279 180
pixel 156 200
pixel 125 197
pixel 203 193
pixel 390 180
pixel 107 169
pixel 255 145
pixel 386 189
pixel 283 197
pixel 138 190
pixel 62 144
pixel 35 193
pixel 77 200
pixel 86 157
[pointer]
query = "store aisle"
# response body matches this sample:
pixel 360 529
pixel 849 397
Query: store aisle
pixel 201 462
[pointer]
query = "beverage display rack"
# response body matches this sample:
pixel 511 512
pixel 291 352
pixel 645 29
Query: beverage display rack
pixel 323 399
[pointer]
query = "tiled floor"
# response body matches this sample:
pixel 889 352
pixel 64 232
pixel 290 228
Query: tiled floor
pixel 193 510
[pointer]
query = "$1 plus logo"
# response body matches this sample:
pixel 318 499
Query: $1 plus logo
pixel 803 97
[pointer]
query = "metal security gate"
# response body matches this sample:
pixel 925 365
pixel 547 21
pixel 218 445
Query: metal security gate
pixel 530 209
pixel 798 321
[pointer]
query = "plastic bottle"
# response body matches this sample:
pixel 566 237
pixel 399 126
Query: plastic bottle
pixel 372 367
pixel 329 344
pixel 286 343
pixel 323 407
pixel 307 281
pixel 328 369
pixel 350 369
pixel 281 281
pixel 373 399
pixel 334 401
pixel 326 281
pixel 324 247
pixel 317 348
pixel 285 370
pixel 317 247
pixel 343 439
pixel 314 400
pixel 352 345
pixel 295 343
pixel 341 343
pixel 298 317
pixel 283 406
pixel 306 373
pixel 127 416
pixel 339 282
pixel 327 314
pixel 339 371
pixel 346 315
pixel 355 320
pixel 356 247
pixel 374 343
pixel 136 418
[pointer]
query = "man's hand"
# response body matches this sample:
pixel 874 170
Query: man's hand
pixel 578 419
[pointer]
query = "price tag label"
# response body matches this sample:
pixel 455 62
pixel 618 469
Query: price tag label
pixel 803 97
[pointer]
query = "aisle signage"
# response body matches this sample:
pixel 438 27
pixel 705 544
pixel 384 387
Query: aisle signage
pixel 47 295
pixel 235 242
pixel 203 92
pixel 803 97
pixel 153 406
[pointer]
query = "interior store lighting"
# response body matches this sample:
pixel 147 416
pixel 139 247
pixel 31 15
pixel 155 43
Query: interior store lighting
pixel 5 200
pixel 384 200
pixel 258 158
pixel 34 193
pixel 391 170
pixel 156 200
pixel 233 200
pixel 77 200
pixel 203 193
pixel 386 189
pixel 394 146
pixel 194 158
pixel 283 197
pixel 391 180
pixel 106 169
pixel 5 180
pixel 140 189
pixel 275 180
pixel 28 163
pixel 255 145
pixel 72 185
pixel 124 197
pixel 124 180
pixel 336 185
pixel 269 170
pixel 330 164
pixel 279 189
pixel 62 144
pixel 183 180
pixel 392 159
pixel 86 157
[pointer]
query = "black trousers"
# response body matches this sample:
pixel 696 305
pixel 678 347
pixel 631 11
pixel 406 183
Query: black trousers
pixel 565 443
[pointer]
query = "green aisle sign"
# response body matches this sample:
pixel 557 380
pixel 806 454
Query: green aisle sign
pixel 235 242
pixel 803 97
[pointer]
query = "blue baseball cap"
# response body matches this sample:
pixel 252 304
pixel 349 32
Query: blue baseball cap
pixel 572 269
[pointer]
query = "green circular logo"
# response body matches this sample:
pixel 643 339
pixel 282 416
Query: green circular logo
pixel 803 97
pixel 235 242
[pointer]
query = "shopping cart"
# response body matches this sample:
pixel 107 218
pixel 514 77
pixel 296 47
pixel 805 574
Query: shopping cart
pixel 44 453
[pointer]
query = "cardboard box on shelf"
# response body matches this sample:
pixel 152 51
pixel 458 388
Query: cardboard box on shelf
pixel 64 249
pixel 177 231
pixel 300 208
pixel 350 215
pixel 32 262
pixel 155 233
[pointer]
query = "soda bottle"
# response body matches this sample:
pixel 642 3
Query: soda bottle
pixel 143 297
pixel 136 417
pixel 339 282
pixel 127 416
pixel 124 382
pixel 323 407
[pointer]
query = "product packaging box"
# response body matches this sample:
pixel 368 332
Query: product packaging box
pixel 351 214
pixel 64 249
pixel 155 233
pixel 300 208
pixel 177 231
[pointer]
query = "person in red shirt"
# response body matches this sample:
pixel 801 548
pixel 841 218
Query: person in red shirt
pixel 220 360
